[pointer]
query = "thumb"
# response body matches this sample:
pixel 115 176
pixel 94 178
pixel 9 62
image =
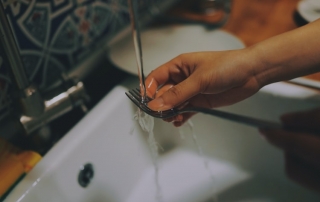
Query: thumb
pixel 175 95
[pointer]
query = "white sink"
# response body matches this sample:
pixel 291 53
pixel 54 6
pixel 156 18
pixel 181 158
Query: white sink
pixel 242 167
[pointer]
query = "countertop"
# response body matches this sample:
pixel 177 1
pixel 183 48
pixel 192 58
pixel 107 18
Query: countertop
pixel 255 20
pixel 252 20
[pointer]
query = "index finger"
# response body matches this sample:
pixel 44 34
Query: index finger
pixel 158 77
pixel 170 72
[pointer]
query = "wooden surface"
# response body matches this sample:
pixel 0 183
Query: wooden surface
pixel 250 20
pixel 255 20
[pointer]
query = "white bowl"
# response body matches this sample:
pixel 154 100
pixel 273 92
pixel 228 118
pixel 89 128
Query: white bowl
pixel 161 44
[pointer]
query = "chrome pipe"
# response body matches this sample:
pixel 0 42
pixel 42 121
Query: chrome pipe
pixel 11 51
pixel 35 111
pixel 56 107
pixel 31 102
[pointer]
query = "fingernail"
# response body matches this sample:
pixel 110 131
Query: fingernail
pixel 149 94
pixel 156 104
pixel 177 123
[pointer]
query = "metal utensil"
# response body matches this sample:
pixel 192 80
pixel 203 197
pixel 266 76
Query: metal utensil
pixel 135 96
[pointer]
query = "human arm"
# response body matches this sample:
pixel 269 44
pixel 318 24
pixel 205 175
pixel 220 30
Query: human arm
pixel 214 79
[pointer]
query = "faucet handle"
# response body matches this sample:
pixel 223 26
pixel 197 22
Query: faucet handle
pixel 31 101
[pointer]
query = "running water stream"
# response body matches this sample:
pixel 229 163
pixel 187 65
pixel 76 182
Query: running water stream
pixel 190 126
pixel 133 9
pixel 146 122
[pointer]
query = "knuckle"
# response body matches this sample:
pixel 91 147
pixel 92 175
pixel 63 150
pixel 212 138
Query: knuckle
pixel 175 91
pixel 182 56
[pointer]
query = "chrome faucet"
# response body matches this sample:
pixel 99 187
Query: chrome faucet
pixel 35 110
pixel 29 97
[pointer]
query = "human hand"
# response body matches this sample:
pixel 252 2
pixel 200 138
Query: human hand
pixel 202 79
pixel 301 145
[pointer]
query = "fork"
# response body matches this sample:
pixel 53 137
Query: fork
pixel 135 96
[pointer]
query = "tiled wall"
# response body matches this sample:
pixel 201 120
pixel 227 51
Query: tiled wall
pixel 54 35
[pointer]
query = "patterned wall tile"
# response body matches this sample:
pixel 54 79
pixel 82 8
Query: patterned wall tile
pixel 4 88
pixel 55 35
pixel 51 34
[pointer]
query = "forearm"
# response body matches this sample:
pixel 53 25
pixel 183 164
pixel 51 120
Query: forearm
pixel 286 56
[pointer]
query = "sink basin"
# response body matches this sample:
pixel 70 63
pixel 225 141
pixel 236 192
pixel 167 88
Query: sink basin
pixel 236 164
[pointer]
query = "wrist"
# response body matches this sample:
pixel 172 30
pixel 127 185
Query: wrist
pixel 255 65
pixel 287 56
pixel 263 70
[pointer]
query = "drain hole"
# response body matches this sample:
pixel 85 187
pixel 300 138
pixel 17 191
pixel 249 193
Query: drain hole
pixel 85 175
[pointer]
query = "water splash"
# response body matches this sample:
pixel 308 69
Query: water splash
pixel 146 123
pixel 190 126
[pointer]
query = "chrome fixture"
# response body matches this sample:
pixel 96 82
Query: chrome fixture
pixel 57 106
pixel 29 97
pixel 35 110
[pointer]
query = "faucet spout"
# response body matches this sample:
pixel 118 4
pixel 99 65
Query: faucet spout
pixel 30 100
pixel 10 48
